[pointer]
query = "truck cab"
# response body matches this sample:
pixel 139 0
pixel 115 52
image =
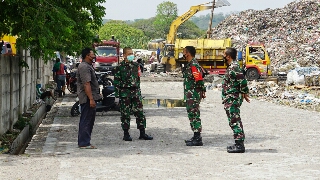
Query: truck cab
pixel 8 45
pixel 6 48
pixel 107 55
pixel 256 62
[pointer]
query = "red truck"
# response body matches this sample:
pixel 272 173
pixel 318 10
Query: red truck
pixel 107 55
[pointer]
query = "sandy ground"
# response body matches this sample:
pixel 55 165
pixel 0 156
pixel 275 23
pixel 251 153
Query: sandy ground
pixel 281 143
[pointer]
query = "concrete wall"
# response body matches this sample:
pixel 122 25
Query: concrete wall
pixel 18 86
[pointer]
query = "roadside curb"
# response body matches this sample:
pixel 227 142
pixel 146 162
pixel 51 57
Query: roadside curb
pixel 26 134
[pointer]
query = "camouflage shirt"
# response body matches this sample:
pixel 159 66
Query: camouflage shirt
pixel 127 79
pixel 234 82
pixel 191 82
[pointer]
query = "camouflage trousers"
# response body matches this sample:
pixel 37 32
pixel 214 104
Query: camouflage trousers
pixel 128 105
pixel 193 110
pixel 232 108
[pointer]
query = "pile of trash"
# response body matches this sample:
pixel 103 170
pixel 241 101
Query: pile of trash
pixel 155 70
pixel 308 76
pixel 291 34
pixel 284 95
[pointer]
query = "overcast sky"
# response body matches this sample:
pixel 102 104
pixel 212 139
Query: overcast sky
pixel 143 9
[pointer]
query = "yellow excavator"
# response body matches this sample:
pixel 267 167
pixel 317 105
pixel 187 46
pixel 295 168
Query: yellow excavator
pixel 172 47
pixel 209 51
pixel 183 18
pixel 153 45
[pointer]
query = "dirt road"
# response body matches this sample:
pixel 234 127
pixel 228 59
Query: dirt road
pixel 281 143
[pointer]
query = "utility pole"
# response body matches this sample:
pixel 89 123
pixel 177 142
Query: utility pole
pixel 215 4
pixel 209 31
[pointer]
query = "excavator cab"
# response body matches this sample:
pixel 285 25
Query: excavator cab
pixel 168 59
pixel 169 50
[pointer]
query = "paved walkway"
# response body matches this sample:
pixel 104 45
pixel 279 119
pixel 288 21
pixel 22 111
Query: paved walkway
pixel 281 143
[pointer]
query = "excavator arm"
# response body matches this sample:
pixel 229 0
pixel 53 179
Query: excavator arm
pixel 181 19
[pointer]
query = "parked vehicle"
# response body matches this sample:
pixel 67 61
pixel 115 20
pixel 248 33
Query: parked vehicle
pixel 108 103
pixel 8 44
pixel 103 78
pixel 71 82
pixel 107 55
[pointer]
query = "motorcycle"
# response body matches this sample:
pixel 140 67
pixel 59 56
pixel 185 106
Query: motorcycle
pixel 103 78
pixel 71 82
pixel 108 102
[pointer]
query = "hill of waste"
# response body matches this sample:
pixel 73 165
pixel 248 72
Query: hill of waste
pixel 291 34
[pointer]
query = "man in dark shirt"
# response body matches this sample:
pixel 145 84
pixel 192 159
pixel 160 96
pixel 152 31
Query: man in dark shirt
pixel 88 93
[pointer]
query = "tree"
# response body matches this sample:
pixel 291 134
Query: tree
pixel 203 21
pixel 126 34
pixel 147 26
pixel 45 26
pixel 189 30
pixel 166 13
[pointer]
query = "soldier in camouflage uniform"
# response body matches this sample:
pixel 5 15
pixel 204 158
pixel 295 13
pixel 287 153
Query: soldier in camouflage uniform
pixel 194 91
pixel 234 89
pixel 127 88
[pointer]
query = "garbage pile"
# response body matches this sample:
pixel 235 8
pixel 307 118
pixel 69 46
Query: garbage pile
pixel 308 76
pixel 272 92
pixel 291 34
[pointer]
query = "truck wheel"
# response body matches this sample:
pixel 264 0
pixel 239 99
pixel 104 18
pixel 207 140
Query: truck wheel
pixel 252 74
pixel 160 68
pixel 75 109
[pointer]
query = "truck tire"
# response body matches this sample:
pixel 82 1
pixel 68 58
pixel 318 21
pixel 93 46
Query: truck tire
pixel 160 68
pixel 252 74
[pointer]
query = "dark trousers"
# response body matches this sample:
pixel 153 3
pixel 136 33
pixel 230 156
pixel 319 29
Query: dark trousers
pixel 87 118
pixel 61 81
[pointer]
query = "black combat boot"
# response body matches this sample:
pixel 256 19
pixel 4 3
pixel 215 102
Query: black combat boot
pixel 196 140
pixel 144 136
pixel 126 135
pixel 191 139
pixel 238 147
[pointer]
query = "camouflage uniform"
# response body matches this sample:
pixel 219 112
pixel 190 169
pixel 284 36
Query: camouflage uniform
pixel 193 86
pixel 127 88
pixel 233 86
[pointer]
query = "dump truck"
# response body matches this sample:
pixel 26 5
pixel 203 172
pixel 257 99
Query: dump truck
pixel 154 44
pixel 209 53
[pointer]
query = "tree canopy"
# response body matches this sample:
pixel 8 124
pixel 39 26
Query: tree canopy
pixel 166 13
pixel 128 35
pixel 45 26
pixel 203 21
